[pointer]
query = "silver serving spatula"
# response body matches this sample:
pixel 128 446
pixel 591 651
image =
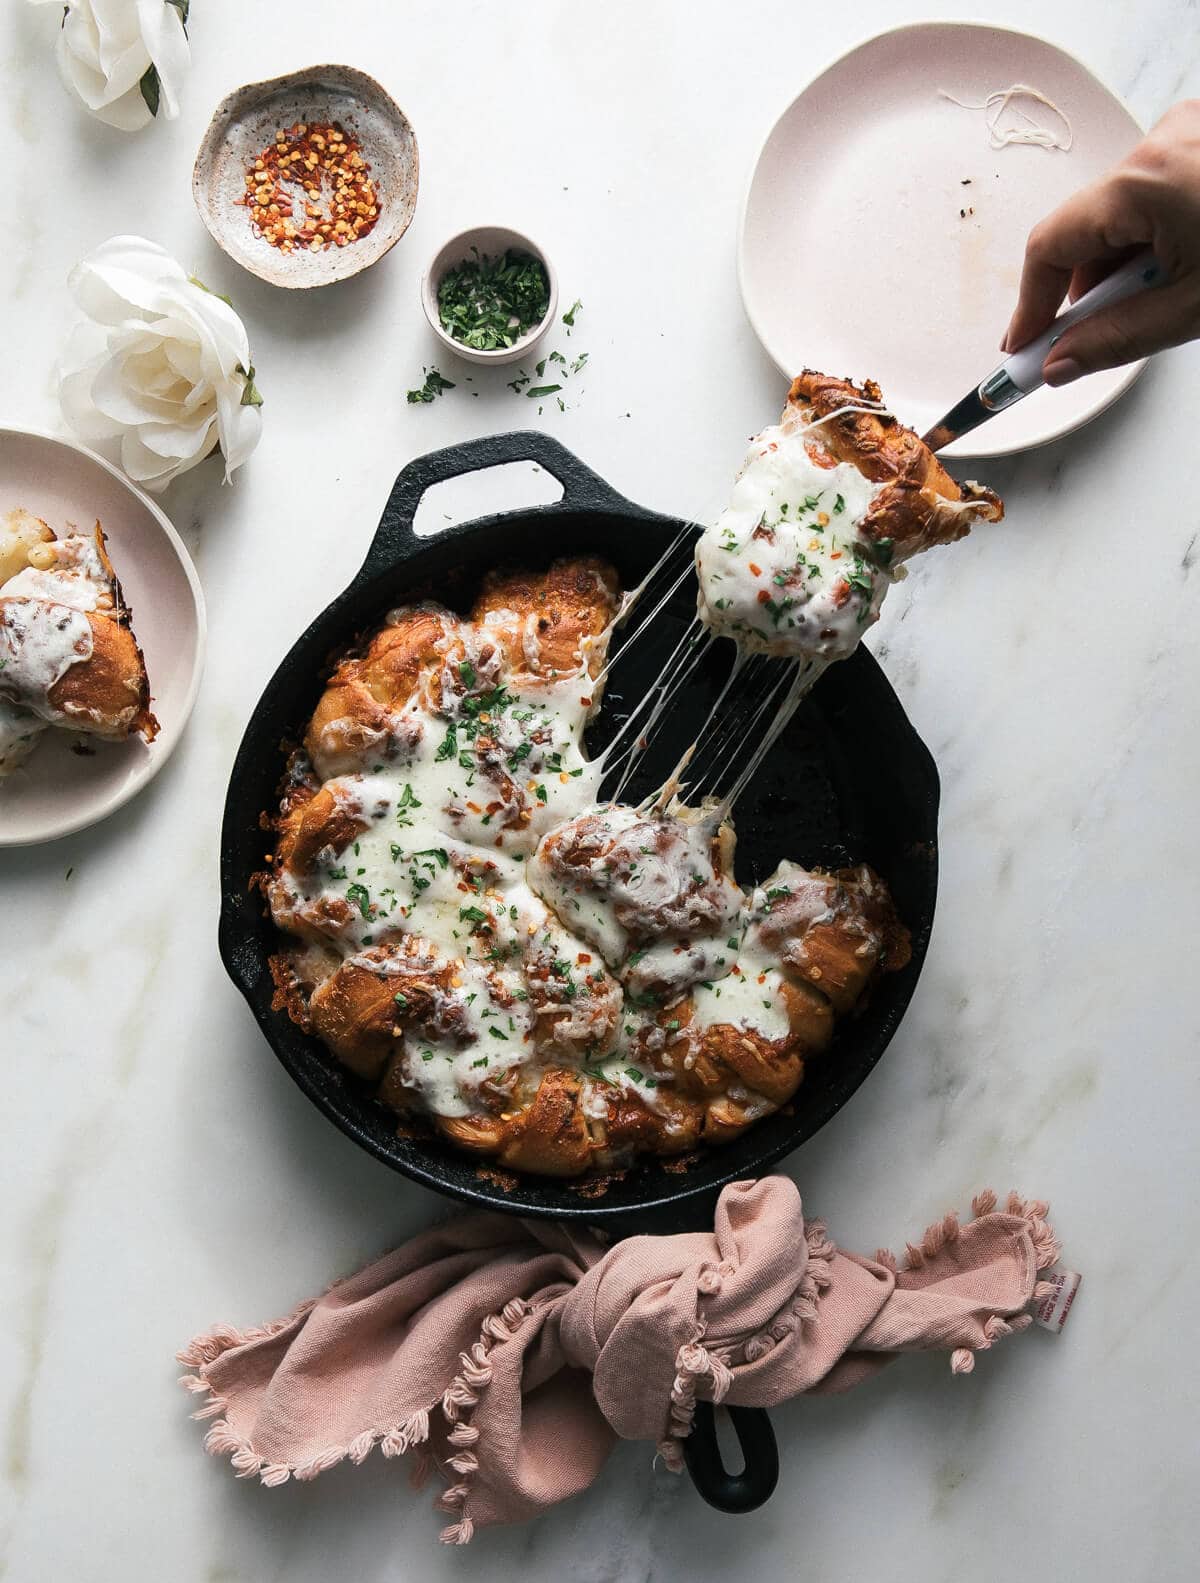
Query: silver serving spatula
pixel 1021 373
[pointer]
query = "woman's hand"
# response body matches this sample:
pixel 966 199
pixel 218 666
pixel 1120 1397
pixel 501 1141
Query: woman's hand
pixel 1152 198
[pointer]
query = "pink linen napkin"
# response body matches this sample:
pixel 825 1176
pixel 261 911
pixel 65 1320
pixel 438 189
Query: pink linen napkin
pixel 517 1352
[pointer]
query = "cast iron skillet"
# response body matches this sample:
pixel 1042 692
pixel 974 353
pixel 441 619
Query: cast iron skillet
pixel 848 780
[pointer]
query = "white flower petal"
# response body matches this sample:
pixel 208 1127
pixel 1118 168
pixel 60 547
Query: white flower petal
pixel 241 430
pixel 125 276
pixel 126 403
pixel 166 40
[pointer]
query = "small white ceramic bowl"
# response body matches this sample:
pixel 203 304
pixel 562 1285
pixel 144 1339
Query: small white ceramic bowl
pixel 490 240
pixel 247 120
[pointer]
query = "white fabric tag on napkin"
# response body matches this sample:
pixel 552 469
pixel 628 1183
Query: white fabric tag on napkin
pixel 1052 1311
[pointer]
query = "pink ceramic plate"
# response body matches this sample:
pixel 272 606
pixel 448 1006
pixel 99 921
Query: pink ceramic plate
pixel 882 235
pixel 59 790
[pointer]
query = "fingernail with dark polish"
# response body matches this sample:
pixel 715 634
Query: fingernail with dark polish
pixel 1062 371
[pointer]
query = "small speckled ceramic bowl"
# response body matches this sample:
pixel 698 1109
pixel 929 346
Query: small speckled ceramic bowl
pixel 247 120
pixel 489 240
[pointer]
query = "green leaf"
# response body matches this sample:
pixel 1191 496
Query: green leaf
pixel 543 390
pixel 251 396
pixel 150 87
pixel 220 295
pixel 433 387
pixel 569 316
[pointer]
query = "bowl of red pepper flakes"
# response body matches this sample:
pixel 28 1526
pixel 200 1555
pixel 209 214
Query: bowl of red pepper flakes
pixel 309 178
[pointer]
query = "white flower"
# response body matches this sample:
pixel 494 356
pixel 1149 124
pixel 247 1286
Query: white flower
pixel 160 363
pixel 124 58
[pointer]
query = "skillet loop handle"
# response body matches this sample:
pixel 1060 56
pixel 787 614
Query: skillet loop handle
pixel 395 540
pixel 733 1492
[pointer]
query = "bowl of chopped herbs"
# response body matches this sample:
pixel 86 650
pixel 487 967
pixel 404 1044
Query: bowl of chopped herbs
pixel 490 294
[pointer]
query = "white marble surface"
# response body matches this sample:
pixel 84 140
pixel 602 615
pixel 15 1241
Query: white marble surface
pixel 160 1170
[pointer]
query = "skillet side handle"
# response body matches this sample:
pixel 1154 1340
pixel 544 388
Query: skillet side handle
pixel 733 1492
pixel 583 490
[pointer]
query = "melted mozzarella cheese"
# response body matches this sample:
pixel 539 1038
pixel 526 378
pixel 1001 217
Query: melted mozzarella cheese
pixel 783 570
pixel 44 626
pixel 19 733
pixel 449 823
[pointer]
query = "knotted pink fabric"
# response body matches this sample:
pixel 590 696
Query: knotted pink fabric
pixel 517 1352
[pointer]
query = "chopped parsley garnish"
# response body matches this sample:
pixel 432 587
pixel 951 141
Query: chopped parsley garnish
pixel 448 747
pixel 401 1000
pixel 568 318
pixel 432 388
pixel 498 1033
pixel 540 793
pixel 490 302
pixel 543 390
pixel 467 671
pixel 632 1071
pixel 472 915
pixel 407 801
pixel 361 897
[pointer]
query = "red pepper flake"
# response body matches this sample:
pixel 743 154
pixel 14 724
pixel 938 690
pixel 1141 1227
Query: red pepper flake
pixel 764 596
pixel 319 169
pixel 756 571
pixel 586 702
pixel 582 958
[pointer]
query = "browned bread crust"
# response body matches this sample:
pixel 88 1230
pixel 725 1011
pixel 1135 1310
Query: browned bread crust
pixel 919 504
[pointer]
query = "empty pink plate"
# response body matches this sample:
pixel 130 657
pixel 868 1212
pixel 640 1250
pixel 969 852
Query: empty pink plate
pixel 60 789
pixel 882 235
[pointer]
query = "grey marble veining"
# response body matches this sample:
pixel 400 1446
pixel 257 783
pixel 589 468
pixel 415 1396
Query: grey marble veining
pixel 160 1172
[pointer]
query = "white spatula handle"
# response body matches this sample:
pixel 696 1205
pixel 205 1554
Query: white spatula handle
pixel 1021 373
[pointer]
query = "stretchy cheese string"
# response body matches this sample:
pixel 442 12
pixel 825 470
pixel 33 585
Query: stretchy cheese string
pixel 1033 135
pixel 737 715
